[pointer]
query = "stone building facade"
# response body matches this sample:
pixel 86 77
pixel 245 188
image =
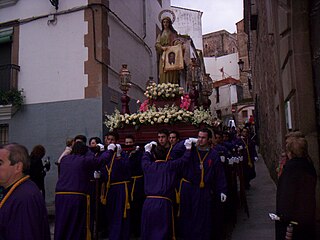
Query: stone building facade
pixel 285 68
pixel 219 43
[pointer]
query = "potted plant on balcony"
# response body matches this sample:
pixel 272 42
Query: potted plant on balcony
pixel 10 102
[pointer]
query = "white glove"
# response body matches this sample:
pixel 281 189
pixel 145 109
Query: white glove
pixel 101 146
pixel 230 161
pixel 119 150
pixel 240 147
pixel 111 146
pixel 274 217
pixel 97 174
pixel 256 159
pixel 137 148
pixel 148 146
pixel 222 158
pixel 194 140
pixel 188 144
pixel 223 197
pixel 235 159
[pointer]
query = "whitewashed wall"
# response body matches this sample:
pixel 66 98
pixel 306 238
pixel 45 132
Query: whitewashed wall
pixel 228 96
pixel 189 22
pixel 229 63
pixel 51 57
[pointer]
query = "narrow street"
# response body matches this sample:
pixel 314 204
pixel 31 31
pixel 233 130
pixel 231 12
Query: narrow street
pixel 261 200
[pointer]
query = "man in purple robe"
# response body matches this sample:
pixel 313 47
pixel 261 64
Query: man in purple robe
pixel 203 185
pixel 160 181
pixel 247 149
pixel 23 214
pixel 137 196
pixel 115 192
pixel 72 202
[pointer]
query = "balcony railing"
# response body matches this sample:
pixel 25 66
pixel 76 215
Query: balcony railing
pixel 9 77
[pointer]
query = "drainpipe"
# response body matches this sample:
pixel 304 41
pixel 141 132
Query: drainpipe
pixel 144 19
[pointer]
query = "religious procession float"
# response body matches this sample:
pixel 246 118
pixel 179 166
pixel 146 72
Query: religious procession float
pixel 167 106
pixel 179 101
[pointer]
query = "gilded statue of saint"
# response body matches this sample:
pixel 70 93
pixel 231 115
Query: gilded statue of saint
pixel 167 38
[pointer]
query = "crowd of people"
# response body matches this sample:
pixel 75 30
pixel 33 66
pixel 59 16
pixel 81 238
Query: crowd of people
pixel 171 188
pixel 155 191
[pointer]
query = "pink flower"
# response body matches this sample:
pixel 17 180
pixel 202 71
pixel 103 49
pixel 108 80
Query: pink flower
pixel 185 101
pixel 144 106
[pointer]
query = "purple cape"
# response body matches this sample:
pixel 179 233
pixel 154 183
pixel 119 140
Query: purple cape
pixel 116 216
pixel 24 215
pixel 71 209
pixel 197 204
pixel 160 182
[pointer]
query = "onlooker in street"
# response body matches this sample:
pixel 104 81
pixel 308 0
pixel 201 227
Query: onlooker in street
pixel 284 157
pixel 23 214
pixel 296 193
pixel 37 168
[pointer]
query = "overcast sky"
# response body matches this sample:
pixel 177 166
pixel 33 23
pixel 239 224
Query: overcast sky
pixel 217 14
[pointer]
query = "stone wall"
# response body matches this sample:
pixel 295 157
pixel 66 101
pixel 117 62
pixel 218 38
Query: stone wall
pixel 282 72
pixel 219 43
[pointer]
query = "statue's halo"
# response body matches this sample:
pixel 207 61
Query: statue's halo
pixel 167 13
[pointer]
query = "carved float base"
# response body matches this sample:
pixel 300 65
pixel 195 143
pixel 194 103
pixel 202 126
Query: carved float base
pixel 147 133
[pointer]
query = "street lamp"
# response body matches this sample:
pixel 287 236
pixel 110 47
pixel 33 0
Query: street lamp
pixel 241 65
pixel 150 81
pixel 124 84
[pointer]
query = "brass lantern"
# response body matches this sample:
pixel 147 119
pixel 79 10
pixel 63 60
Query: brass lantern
pixel 125 78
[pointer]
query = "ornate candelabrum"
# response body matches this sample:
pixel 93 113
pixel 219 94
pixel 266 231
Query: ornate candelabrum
pixel 207 86
pixel 193 93
pixel 124 84
pixel 150 81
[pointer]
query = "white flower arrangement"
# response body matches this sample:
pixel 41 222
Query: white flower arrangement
pixel 202 116
pixel 163 90
pixel 167 115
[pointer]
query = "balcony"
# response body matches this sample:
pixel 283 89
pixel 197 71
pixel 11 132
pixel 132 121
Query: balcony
pixel 11 99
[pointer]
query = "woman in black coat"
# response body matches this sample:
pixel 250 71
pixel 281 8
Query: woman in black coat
pixel 296 191
pixel 37 170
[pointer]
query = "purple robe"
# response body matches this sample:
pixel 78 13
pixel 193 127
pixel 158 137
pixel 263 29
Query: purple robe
pixel 249 172
pixel 117 213
pixel 197 204
pixel 71 209
pixel 24 215
pixel 160 181
pixel 137 192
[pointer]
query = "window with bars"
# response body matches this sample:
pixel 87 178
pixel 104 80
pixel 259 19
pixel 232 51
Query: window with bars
pixel 4 133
